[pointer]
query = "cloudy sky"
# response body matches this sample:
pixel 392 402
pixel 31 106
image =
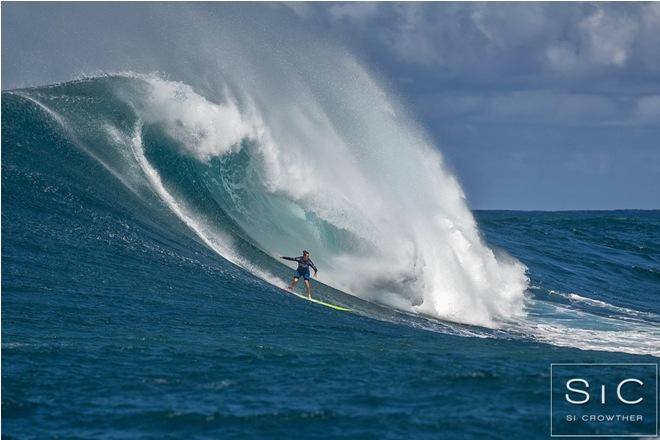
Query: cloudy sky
pixel 534 105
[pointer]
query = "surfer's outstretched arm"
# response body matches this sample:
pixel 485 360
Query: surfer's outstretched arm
pixel 289 258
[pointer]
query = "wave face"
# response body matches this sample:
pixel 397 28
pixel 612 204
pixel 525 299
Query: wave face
pixel 339 170
pixel 256 133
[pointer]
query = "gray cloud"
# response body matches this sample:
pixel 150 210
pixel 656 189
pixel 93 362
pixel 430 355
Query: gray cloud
pixel 357 12
pixel 543 107
pixel 567 63
pixel 564 37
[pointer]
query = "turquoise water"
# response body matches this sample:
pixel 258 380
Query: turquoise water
pixel 122 319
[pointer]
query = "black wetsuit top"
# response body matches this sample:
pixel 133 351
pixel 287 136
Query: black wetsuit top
pixel 303 266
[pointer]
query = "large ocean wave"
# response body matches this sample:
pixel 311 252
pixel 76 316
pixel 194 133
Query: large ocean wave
pixel 384 221
pixel 368 195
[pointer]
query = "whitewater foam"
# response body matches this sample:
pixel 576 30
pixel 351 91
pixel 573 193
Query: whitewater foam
pixel 203 129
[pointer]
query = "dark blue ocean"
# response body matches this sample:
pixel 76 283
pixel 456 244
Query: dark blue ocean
pixel 120 319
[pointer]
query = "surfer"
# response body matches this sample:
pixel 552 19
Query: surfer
pixel 304 264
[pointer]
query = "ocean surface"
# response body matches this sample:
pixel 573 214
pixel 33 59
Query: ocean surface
pixel 141 289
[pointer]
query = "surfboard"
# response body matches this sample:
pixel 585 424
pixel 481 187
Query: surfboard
pixel 317 301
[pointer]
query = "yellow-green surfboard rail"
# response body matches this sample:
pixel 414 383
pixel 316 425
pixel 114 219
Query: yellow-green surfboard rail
pixel 317 301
